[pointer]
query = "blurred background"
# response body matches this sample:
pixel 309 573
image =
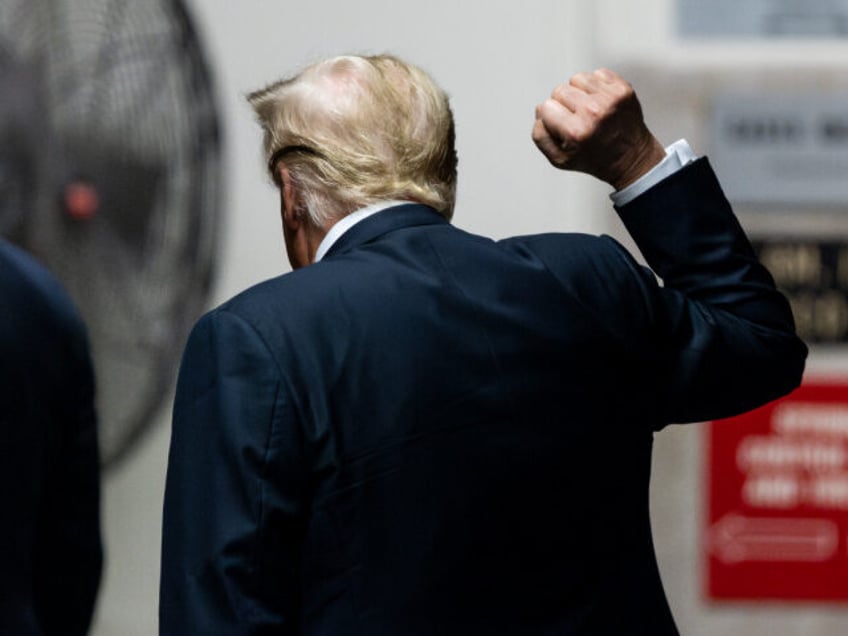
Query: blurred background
pixel 131 166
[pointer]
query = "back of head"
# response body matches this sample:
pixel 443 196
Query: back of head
pixel 358 130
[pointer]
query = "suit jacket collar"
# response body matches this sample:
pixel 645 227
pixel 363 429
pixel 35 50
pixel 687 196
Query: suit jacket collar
pixel 383 222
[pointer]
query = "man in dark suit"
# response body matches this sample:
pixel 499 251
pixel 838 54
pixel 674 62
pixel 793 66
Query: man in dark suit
pixel 425 431
pixel 50 547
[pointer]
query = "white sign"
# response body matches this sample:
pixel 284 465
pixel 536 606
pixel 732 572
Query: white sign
pixel 763 18
pixel 782 148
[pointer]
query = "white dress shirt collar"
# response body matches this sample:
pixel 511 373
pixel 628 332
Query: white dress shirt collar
pixel 345 223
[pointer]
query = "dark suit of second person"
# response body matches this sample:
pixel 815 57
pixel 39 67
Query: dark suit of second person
pixel 50 546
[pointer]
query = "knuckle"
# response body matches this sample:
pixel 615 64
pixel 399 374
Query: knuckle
pixel 580 132
pixel 595 110
pixel 578 78
pixel 559 93
pixel 623 91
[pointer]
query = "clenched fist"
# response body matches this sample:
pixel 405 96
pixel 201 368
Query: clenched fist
pixel 594 124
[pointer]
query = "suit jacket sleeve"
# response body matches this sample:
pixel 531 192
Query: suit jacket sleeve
pixel 50 542
pixel 69 555
pixel 721 336
pixel 223 571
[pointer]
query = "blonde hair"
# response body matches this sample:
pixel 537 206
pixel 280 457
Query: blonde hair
pixel 358 130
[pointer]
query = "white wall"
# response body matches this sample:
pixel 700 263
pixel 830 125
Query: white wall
pixel 497 60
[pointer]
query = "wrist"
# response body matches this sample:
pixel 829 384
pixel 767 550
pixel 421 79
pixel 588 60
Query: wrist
pixel 677 155
pixel 645 159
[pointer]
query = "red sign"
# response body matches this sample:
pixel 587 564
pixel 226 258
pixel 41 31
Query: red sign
pixel 778 499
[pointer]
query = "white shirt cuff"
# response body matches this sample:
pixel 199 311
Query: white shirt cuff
pixel 677 155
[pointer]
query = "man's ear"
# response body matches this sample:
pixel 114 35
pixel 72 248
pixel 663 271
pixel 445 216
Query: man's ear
pixel 289 200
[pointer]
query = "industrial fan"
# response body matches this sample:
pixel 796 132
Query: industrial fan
pixel 109 174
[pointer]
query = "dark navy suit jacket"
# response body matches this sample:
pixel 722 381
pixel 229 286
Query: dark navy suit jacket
pixel 430 432
pixel 50 547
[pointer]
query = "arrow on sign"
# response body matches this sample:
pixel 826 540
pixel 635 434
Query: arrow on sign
pixel 735 539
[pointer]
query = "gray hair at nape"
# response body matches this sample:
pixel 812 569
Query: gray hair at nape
pixel 356 130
